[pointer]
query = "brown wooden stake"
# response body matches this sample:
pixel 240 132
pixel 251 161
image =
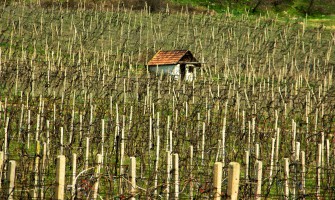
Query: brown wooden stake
pixel 121 160
pixel 257 152
pixel 233 180
pixel 168 169
pixel 328 152
pixel 176 175
pixel 167 134
pixel 273 140
pixel 60 177
pixel 48 138
pixel 5 145
pixel 203 143
pixel 61 140
pixel 157 161
pixel 1 165
pixel 287 176
pixel 102 139
pixel 277 149
pixel 132 176
pixel 218 151
pixel 37 127
pixel 297 152
pixel 97 176
pixel 36 170
pixel 247 155
pixel 259 169
pixel 322 151
pixel 44 160
pixel 171 142
pixel 318 170
pixel 303 172
pixel 11 178
pixel 87 152
pixel 191 169
pixel 217 179
pixel 74 173
pixel 21 121
pixel 223 141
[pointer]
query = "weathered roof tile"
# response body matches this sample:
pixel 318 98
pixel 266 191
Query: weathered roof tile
pixel 167 57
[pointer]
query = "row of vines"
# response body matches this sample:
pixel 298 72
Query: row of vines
pixel 75 83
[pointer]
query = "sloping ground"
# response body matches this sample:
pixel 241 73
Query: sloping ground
pixel 294 7
pixel 134 37
pixel 327 22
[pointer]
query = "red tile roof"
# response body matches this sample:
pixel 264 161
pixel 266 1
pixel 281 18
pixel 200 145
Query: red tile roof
pixel 167 57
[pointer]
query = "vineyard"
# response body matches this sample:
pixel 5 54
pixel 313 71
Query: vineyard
pixel 82 117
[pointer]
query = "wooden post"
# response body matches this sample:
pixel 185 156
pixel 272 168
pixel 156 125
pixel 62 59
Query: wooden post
pixel 150 134
pixel 168 168
pixel 294 127
pixel 102 139
pixel 28 131
pixel 36 170
pixel 61 140
pixel 37 127
pixel 1 165
pixel 97 176
pixel 277 148
pixel 327 152
pixel 257 152
pixel 318 169
pixel 171 142
pixel 271 160
pixel 60 177
pixel 132 177
pixel 167 133
pixel 176 175
pixel 287 176
pixel 11 177
pixel 322 152
pixel 297 151
pixel 44 159
pixel 121 160
pixel 218 151
pixel 5 145
pixel 80 127
pixel 223 141
pixel 191 175
pixel 249 136
pixel 217 180
pixel 259 169
pixel 48 138
pixel 87 152
pixel 157 161
pixel 233 180
pixel 203 143
pixel 303 171
pixel 247 165
pixel 21 120
pixel 74 173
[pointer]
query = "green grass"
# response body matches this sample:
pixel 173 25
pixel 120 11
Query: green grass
pixel 295 8
pixel 326 21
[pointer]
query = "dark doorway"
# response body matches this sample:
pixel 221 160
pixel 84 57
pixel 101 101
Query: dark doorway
pixel 182 71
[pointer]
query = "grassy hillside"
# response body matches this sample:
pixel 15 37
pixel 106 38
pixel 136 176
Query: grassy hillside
pixel 292 7
pixel 296 7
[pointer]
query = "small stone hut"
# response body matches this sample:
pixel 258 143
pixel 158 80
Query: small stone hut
pixel 180 64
